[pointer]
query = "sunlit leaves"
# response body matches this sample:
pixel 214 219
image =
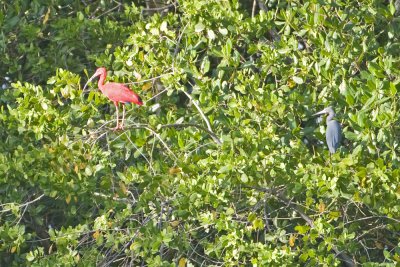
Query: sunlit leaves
pixel 162 190
pixel 199 27
pixel 297 80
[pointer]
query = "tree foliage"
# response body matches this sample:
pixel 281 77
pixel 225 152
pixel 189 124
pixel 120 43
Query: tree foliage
pixel 224 164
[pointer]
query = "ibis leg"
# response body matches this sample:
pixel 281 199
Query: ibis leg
pixel 116 107
pixel 123 116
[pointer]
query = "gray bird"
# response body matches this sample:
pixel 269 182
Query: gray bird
pixel 333 129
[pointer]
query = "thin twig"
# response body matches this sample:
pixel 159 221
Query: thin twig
pixel 151 79
pixel 262 6
pixel 151 167
pixel 108 11
pixel 162 141
pixel 22 215
pixel 23 205
pixel 253 11
pixel 372 217
pixel 152 149
pixel 111 197
pixel 132 195
pixel 214 137
pixel 147 127
pixel 100 136
pixel 179 41
pixel 369 231
pixel 101 126
pixel 107 262
pixel 197 148
pixel 178 125
pixel 346 259
pixel 163 91
pixel 159 8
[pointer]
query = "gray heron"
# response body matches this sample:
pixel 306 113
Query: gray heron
pixel 333 129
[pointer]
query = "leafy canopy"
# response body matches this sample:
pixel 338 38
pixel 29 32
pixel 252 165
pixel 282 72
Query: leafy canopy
pixel 224 164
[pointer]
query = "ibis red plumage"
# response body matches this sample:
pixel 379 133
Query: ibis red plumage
pixel 117 93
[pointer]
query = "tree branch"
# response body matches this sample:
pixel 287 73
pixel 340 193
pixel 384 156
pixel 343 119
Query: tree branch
pixel 163 91
pixel 181 125
pixel 159 8
pixel 342 255
pixel 179 40
pixel 151 79
pixel 125 200
pixel 214 137
pixel 25 204
pixel 253 10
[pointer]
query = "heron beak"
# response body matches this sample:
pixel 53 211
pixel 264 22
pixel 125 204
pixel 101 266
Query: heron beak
pixel 90 79
pixel 320 113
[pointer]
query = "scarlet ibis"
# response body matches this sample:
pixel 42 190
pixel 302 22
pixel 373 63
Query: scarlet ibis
pixel 116 92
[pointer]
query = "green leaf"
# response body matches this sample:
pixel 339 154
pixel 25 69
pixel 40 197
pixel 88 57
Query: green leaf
pixel 30 257
pixel 44 106
pixel 205 65
pixel 199 27
pixel 228 47
pixel 258 224
pixel 223 31
pixel 211 34
pixel 80 16
pixel 375 70
pixel 392 8
pixel 88 171
pixel 164 26
pixel 230 211
pixel 297 80
pixel 225 169
pixel 244 178
pixel 302 229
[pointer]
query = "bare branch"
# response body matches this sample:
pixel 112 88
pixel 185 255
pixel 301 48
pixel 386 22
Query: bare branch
pixel 163 91
pixel 125 200
pixel 147 127
pixel 346 259
pixel 214 137
pixel 159 8
pixel 150 165
pixel 179 40
pixel 151 79
pixel 262 6
pixel 162 141
pixel 109 11
pixel 23 205
pixel 372 217
pixel 178 125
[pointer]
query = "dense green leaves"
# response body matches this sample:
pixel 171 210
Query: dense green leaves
pixel 165 191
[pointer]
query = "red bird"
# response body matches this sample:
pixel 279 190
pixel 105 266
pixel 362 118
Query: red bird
pixel 116 92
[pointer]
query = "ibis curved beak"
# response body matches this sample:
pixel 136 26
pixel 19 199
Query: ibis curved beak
pixel 90 79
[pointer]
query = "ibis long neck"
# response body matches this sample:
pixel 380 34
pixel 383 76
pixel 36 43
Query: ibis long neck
pixel 102 78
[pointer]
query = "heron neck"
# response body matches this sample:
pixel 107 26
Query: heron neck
pixel 100 83
pixel 330 117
